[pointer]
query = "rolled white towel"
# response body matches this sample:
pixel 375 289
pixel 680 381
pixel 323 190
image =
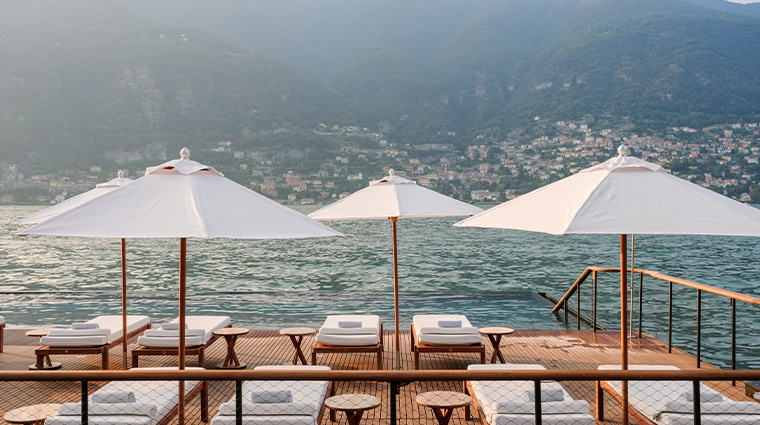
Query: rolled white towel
pixel 114 397
pixel 704 396
pixel 549 394
pixel 173 326
pixel 349 324
pixel 85 325
pixel 450 323
pixel 272 396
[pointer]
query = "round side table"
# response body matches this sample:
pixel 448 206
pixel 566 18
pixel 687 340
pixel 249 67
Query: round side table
pixel 32 414
pixel 494 334
pixel 296 336
pixel 230 336
pixel 47 364
pixel 443 403
pixel 353 404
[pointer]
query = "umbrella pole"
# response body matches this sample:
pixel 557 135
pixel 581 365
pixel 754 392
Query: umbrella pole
pixel 624 321
pixel 182 286
pixel 395 288
pixel 124 333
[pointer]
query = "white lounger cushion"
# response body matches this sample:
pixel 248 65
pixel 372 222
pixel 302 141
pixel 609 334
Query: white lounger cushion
pixel 153 401
pixel 503 402
pixel 427 331
pixel 109 329
pixel 660 401
pixel 368 334
pixel 208 323
pixel 308 397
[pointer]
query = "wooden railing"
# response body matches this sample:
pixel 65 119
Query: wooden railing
pixel 700 287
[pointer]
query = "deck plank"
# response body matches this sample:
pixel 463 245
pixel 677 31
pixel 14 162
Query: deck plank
pixel 553 349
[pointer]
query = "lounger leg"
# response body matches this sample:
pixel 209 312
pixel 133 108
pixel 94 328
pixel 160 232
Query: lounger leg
pixel 313 357
pixel 2 331
pixel 416 359
pixel 204 401
pixel 333 390
pixel 104 356
pixel 467 415
pixel 134 360
pixel 483 356
pixel 599 401
pixel 380 359
pixel 40 361
pixel 202 357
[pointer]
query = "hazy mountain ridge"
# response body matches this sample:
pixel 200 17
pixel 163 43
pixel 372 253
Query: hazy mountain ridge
pixel 85 77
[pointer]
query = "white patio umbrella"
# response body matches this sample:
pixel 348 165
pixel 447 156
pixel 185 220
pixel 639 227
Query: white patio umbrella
pixel 394 197
pixel 623 195
pixel 182 199
pixel 75 201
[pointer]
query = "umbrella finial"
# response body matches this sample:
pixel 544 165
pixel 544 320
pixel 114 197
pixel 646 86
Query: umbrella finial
pixel 184 153
pixel 623 150
pixel 391 172
pixel 121 174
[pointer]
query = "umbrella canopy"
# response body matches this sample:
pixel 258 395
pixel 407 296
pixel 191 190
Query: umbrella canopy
pixel 620 196
pixel 182 199
pixel 394 197
pixel 73 202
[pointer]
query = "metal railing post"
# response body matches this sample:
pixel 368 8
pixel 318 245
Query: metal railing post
pixel 670 317
pixel 697 406
pixel 699 327
pixel 85 404
pixel 641 296
pixel 239 402
pixel 537 392
pixel 394 392
pixel 578 311
pixel 593 275
pixel 733 337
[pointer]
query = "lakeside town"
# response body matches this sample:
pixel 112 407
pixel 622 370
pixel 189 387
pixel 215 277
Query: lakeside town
pixel 489 168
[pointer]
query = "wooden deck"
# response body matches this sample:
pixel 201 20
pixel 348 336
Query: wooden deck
pixel 553 349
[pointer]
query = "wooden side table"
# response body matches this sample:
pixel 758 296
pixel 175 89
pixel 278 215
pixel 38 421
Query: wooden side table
pixel 353 404
pixel 296 336
pixel 230 336
pixel 47 364
pixel 32 414
pixel 443 403
pixel 494 334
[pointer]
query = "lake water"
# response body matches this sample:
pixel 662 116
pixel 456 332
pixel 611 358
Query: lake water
pixel 489 275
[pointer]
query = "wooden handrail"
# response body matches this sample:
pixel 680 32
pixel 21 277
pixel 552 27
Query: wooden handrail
pixel 383 375
pixel 657 275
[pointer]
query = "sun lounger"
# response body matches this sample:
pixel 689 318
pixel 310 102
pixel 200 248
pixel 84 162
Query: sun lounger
pixel 670 402
pixel 96 336
pixel 154 403
pixel 279 402
pixel 444 333
pixel 199 334
pixel 510 402
pixel 350 334
pixel 2 331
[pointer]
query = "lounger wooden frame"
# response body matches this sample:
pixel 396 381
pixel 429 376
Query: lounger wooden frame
pixel 320 348
pixel 45 350
pixel 199 351
pixel 601 387
pixel 418 348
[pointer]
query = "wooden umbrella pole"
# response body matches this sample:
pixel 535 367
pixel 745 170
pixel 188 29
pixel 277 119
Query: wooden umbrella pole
pixel 124 302
pixel 624 321
pixel 182 286
pixel 395 283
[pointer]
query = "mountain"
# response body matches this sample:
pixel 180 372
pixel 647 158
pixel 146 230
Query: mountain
pixel 428 67
pixel 82 78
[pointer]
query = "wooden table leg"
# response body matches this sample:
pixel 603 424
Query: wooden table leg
pixel 296 340
pixel 354 416
pixel 443 415
pixel 231 358
pixel 496 342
